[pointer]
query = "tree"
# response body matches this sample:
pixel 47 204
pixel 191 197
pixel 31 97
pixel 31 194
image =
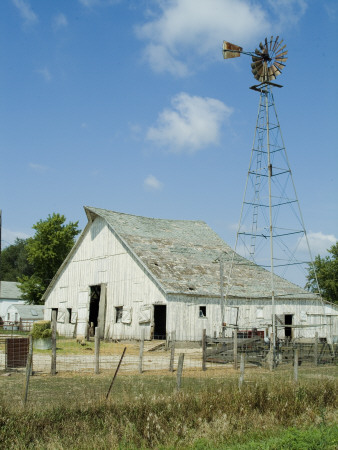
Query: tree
pixel 327 275
pixel 14 262
pixel 46 251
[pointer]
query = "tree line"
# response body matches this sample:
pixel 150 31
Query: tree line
pixel 33 262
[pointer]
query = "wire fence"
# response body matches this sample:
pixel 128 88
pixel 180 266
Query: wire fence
pixel 86 371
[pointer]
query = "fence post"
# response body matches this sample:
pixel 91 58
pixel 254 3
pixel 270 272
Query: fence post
pixel 180 370
pixel 315 350
pixel 295 365
pixel 97 350
pixel 140 367
pixel 53 361
pixel 172 351
pixel 242 367
pixel 204 349
pixel 28 369
pixel 235 349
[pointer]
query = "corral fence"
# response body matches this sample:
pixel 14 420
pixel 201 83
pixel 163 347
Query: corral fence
pixel 178 362
pixel 14 327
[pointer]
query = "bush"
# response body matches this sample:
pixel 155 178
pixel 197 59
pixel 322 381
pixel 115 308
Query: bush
pixel 41 329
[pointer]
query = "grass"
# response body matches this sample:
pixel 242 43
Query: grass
pixel 145 411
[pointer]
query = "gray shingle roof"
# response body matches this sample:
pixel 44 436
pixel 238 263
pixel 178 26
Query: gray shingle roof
pixel 9 290
pixel 181 255
pixel 34 312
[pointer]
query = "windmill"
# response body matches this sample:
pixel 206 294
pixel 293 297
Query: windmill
pixel 271 231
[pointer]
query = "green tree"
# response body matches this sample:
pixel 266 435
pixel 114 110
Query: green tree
pixel 327 275
pixel 46 250
pixel 14 262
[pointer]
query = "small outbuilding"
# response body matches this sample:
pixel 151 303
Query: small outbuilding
pixel 22 317
pixel 129 275
pixel 10 294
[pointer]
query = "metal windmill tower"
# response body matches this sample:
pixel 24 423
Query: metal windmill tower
pixel 271 231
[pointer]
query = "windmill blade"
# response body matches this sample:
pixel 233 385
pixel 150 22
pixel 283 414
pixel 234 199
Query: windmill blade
pixel 256 58
pixel 281 59
pixel 275 70
pixel 257 63
pixel 271 40
pixel 278 46
pixel 261 46
pixel 279 66
pixel 258 52
pixel 282 48
pixel 266 45
pixel 281 54
pixel 274 47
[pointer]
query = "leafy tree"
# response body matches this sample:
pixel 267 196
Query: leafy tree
pixel 46 251
pixel 327 275
pixel 14 262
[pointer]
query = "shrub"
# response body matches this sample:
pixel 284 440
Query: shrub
pixel 41 329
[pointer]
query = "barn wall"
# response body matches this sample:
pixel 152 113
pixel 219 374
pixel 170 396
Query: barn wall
pixel 102 259
pixel 185 320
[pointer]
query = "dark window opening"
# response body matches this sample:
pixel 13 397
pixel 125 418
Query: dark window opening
pixel 160 321
pixel 56 315
pixel 191 288
pixel 118 314
pixel 95 292
pixel 69 316
pixel 203 311
pixel 288 321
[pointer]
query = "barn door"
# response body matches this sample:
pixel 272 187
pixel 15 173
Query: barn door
pixel 83 314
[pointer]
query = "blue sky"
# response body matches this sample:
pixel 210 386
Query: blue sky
pixel 129 106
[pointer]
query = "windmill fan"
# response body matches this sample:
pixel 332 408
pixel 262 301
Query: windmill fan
pixel 268 60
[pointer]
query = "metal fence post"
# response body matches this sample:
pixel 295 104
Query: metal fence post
pixel 204 350
pixel 235 349
pixel 242 367
pixel 140 367
pixel 295 365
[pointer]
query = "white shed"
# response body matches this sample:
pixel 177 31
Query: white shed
pixel 127 273
pixel 10 294
pixel 23 316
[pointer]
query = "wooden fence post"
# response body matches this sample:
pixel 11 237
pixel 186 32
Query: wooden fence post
pixel 295 365
pixel 28 369
pixel 53 361
pixel 172 352
pixel 140 367
pixel 117 369
pixel 242 367
pixel 180 370
pixel 204 349
pixel 235 349
pixel 315 350
pixel 97 350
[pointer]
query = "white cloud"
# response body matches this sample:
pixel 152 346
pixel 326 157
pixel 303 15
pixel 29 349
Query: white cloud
pixel 38 167
pixel 9 236
pixel 319 243
pixel 26 12
pixel 191 124
pixel 152 183
pixel 60 21
pixel 182 34
pixel 45 73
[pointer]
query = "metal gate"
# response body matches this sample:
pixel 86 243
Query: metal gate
pixel 16 352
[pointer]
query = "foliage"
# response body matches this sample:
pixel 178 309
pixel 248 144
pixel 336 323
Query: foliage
pixel 326 270
pixel 14 262
pixel 41 329
pixel 46 251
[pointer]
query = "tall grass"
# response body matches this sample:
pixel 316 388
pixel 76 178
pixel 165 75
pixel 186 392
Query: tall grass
pixel 219 416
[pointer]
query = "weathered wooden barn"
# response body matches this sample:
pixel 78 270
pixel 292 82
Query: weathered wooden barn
pixel 129 273
pixel 22 317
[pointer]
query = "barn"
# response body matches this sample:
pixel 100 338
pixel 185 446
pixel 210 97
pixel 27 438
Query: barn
pixel 22 317
pixel 129 275
pixel 10 294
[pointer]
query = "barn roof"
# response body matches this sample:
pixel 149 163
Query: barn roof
pixel 181 256
pixel 9 290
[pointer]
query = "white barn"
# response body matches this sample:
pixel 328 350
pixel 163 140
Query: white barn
pixel 127 273
pixel 10 294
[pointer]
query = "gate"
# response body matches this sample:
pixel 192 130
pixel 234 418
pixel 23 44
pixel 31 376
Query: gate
pixel 16 352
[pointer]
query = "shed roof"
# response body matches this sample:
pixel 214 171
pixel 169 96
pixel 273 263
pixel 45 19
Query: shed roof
pixel 181 255
pixel 27 312
pixel 9 290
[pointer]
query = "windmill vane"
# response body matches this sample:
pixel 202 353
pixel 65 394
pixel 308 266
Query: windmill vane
pixel 268 60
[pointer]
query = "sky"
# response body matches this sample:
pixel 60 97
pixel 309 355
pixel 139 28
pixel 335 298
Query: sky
pixel 128 105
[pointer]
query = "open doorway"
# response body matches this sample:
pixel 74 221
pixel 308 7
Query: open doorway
pixel 160 320
pixel 288 329
pixel 94 306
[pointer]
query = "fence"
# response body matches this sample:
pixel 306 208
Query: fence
pixel 90 369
